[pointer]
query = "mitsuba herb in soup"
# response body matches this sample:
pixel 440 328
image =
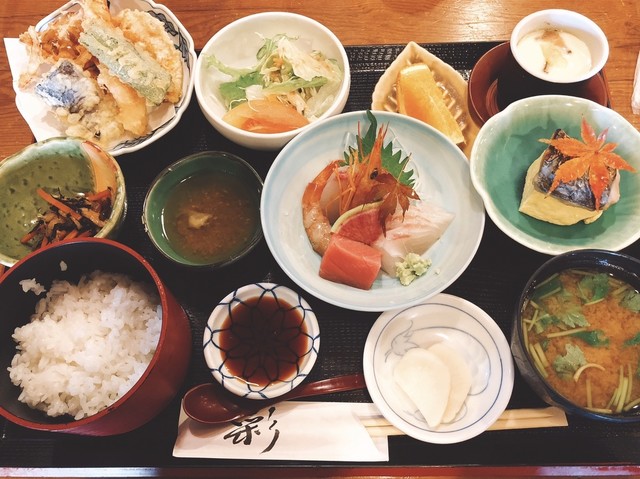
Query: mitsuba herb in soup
pixel 210 217
pixel 582 331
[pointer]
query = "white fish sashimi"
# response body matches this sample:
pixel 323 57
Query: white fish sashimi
pixel 423 224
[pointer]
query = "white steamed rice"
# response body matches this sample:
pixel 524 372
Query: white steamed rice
pixel 86 344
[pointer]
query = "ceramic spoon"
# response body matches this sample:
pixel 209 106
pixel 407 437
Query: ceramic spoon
pixel 210 403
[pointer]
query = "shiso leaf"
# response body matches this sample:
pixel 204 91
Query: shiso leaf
pixel 394 163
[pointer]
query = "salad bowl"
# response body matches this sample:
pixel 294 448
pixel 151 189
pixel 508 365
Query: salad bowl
pixel 442 173
pixel 238 46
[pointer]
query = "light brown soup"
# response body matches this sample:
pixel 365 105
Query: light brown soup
pixel 582 329
pixel 210 217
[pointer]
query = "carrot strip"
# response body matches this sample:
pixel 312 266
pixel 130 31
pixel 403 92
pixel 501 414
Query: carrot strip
pixel 99 195
pixel 85 233
pixel 71 234
pixel 58 204
pixel 29 236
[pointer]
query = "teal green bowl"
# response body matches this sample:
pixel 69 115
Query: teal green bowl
pixel 230 175
pixel 509 142
pixel 68 165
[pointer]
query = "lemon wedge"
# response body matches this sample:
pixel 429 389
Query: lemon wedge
pixel 419 96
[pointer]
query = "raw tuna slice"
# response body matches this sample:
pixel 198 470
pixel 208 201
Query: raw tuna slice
pixel 350 262
pixel 423 224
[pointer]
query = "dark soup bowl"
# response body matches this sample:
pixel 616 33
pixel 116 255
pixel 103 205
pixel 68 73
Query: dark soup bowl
pixel 576 334
pixel 203 211
pixel 92 342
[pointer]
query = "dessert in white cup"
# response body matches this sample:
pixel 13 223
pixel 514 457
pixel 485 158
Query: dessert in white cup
pixel 559 46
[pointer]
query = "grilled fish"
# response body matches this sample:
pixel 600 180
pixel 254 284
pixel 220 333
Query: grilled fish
pixel 577 192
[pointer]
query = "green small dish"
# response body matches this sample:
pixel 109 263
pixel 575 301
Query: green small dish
pixel 189 214
pixel 64 164
pixel 508 143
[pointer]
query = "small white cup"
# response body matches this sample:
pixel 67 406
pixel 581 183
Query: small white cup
pixel 571 22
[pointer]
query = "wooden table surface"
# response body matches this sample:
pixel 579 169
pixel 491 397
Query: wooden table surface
pixel 363 22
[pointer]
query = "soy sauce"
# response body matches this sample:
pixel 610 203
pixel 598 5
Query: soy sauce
pixel 264 340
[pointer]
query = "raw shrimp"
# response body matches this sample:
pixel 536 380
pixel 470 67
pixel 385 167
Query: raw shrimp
pixel 362 180
pixel 314 219
pixel 363 175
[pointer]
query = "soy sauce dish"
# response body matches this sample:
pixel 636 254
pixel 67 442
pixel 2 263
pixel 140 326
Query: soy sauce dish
pixel 261 341
pixel 204 210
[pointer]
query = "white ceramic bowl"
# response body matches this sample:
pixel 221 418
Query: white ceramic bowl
pixel 246 342
pixel 442 171
pixel 236 45
pixel 460 325
pixel 509 142
pixel 582 27
pixel 163 119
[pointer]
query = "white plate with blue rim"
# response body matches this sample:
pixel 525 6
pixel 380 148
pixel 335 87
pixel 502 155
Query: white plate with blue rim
pixel 161 120
pixel 460 325
pixel 442 173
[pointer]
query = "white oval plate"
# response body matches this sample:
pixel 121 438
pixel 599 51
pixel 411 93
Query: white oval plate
pixel 443 178
pixel 461 325
pixel 162 119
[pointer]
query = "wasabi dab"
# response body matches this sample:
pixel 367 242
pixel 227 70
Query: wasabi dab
pixel 412 267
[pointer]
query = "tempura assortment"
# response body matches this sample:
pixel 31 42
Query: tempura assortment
pixel 102 73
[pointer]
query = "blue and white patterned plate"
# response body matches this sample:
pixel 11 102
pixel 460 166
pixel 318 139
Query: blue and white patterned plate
pixel 462 326
pixel 163 119
pixel 217 358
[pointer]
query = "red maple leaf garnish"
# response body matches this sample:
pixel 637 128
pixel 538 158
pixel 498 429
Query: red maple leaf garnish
pixel 394 194
pixel 591 155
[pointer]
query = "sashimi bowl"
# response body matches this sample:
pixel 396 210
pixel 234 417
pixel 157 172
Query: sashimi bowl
pixel 58 189
pixel 445 215
pixel 308 78
pixel 93 342
pixel 504 158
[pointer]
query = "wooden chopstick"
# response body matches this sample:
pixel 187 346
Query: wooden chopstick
pixel 510 419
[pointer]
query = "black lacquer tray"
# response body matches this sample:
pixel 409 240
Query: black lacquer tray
pixel 492 281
